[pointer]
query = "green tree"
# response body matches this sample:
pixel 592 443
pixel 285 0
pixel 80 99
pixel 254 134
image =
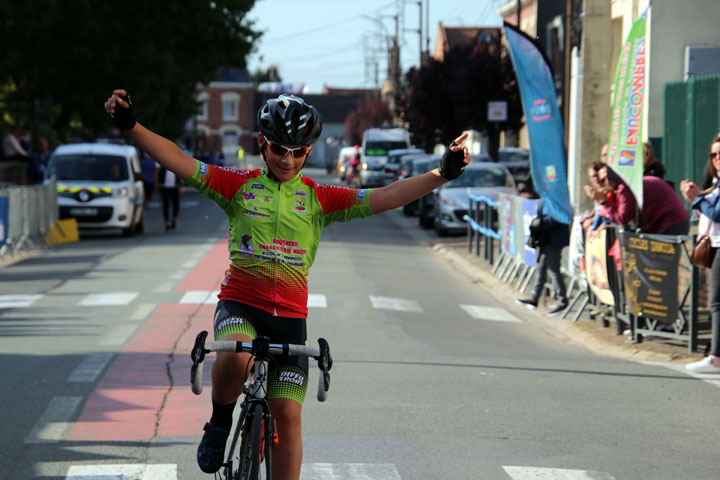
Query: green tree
pixel 270 75
pixel 445 98
pixel 74 53
pixel 367 113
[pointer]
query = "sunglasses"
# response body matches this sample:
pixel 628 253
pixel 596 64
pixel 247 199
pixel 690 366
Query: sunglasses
pixel 282 150
pixel 713 155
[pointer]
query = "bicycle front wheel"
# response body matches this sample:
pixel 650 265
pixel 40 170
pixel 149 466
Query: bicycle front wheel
pixel 249 461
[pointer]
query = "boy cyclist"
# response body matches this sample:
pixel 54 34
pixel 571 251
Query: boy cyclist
pixel 276 216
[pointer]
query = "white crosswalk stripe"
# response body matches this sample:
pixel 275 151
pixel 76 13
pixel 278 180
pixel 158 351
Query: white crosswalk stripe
pixel 495 314
pixel 107 299
pixel 349 471
pixel 90 367
pixel 118 335
pixel 18 301
pixel 200 297
pixel 54 424
pixel 535 473
pixel 122 472
pixel 396 304
pixel 316 300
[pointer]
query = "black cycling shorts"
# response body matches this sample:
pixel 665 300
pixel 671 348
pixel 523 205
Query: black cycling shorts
pixel 287 375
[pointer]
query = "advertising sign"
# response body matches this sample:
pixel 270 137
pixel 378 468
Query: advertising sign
pixel 650 271
pixel 548 157
pixel 625 145
pixel 596 269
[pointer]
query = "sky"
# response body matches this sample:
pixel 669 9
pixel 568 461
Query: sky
pixel 338 42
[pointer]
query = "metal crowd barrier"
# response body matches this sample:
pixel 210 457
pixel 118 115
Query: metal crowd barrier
pixel 481 225
pixel 27 213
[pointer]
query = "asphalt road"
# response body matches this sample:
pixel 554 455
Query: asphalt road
pixel 436 375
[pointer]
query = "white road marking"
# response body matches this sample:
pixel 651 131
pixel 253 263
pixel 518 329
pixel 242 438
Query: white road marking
pixel 200 297
pixel 178 275
pixel 397 304
pixel 164 287
pixel 534 473
pixel 122 472
pixel 495 314
pixel 142 311
pixel 18 301
pixel 118 335
pixel 316 300
pixel 107 299
pixel 349 471
pixel 189 263
pixel 54 424
pixel 89 369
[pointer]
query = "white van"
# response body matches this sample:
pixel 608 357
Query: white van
pixel 376 144
pixel 100 185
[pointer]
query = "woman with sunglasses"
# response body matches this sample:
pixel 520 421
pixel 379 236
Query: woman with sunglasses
pixel 708 204
pixel 276 216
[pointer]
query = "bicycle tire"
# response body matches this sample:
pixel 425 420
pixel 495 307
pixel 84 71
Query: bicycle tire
pixel 249 459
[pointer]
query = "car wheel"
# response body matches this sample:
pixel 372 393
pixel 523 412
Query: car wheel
pixel 140 226
pixel 441 232
pixel 426 221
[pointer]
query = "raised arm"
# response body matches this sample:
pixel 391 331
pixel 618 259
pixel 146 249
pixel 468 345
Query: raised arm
pixel 405 191
pixel 160 149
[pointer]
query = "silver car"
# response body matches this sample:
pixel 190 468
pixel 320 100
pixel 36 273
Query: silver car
pixel 452 200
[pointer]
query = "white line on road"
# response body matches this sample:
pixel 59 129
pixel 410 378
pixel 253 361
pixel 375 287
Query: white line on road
pixel 349 471
pixel 107 299
pixel 142 312
pixel 164 287
pixel 122 472
pixel 316 300
pixel 533 473
pixel 200 297
pixel 495 314
pixel 118 335
pixel 89 369
pixel 54 424
pixel 397 304
pixel 18 301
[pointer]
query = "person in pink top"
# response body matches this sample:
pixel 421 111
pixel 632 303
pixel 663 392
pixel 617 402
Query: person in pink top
pixel 663 211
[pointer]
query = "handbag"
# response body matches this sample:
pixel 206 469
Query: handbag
pixel 702 254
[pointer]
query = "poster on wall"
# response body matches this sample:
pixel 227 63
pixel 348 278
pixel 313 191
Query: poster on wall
pixel 650 270
pixel 596 271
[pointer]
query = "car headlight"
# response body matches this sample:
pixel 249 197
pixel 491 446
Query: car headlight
pixel 365 166
pixel 121 192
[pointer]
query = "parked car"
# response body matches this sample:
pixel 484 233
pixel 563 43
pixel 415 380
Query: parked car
pixel 419 166
pixel 516 160
pixel 376 144
pixel 392 167
pixel 100 185
pixel 426 203
pixel 452 199
pixel 406 162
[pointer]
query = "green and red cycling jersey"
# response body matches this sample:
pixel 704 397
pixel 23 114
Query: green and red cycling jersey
pixel 274 232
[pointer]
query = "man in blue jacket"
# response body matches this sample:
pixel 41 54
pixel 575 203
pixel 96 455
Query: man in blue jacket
pixel 550 236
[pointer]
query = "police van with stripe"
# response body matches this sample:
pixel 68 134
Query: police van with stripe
pixel 100 185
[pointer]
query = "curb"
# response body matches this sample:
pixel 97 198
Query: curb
pixel 571 331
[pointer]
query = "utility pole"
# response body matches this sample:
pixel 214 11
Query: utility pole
pixel 427 28
pixel 420 32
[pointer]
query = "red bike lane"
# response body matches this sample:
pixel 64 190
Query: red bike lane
pixel 146 391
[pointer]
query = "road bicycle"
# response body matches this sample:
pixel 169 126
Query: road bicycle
pixel 255 429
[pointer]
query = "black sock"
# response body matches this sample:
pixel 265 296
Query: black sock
pixel 222 414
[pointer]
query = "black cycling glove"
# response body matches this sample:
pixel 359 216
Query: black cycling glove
pixel 124 118
pixel 452 163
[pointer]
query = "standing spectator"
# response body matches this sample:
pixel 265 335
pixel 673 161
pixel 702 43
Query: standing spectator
pixel 651 165
pixel 12 149
pixel 147 165
pixel 707 202
pixel 552 236
pixel 39 161
pixel 168 184
pixel 663 211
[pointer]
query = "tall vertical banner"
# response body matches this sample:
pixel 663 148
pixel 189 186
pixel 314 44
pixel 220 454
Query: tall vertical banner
pixel 548 157
pixel 625 146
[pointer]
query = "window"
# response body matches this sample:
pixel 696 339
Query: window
pixel 230 139
pixel 202 106
pixel 230 104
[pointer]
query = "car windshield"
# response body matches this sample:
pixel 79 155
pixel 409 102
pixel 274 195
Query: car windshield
pixel 481 177
pixel 375 149
pixel 95 167
pixel 513 156
pixel 423 167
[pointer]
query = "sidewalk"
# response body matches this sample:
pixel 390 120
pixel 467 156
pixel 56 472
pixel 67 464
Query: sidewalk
pixel 588 332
